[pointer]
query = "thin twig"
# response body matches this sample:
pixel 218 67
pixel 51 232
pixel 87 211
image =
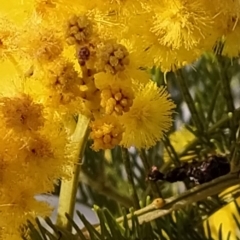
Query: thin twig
pixel 226 89
pixel 198 193
pixel 133 191
pixel 225 80
pixel 213 103
pixel 199 108
pixel 189 100
pixel 195 194
pixel 171 151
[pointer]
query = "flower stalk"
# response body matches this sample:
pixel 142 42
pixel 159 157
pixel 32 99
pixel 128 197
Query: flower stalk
pixel 69 188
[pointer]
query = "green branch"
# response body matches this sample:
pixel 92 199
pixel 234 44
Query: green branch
pixel 171 151
pixel 195 194
pixel 69 188
pixel 198 193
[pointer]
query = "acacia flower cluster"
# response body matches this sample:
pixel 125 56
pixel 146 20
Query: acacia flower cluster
pixel 170 34
pixel 89 58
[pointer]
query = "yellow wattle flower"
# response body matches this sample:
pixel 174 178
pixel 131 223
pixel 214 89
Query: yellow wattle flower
pixel 79 30
pixel 19 205
pixel 118 62
pixel 58 87
pixel 180 23
pixel 45 156
pixel 45 45
pixel 62 77
pixel 148 118
pixel 106 133
pixel 21 113
pixel 116 98
pixel 112 58
pixel 173 34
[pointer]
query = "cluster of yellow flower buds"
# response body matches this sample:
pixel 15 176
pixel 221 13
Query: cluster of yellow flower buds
pixel 57 64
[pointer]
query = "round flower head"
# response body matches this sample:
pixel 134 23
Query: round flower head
pixel 148 118
pixel 106 133
pixel 117 62
pixel 173 33
pixel 44 45
pixel 116 98
pixel 63 78
pixel 79 30
pixel 21 113
pixel 61 87
pixel 45 155
pixel 112 58
pixel 38 149
pixel 180 23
